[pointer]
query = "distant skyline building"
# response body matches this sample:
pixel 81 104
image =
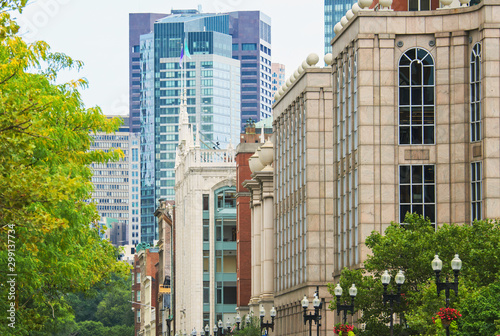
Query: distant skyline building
pixel 116 186
pixel 278 77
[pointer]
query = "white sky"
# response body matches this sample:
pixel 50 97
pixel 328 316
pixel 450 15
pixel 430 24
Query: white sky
pixel 96 32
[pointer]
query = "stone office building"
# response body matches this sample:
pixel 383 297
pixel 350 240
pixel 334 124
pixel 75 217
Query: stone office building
pixel 416 101
pixel 414 127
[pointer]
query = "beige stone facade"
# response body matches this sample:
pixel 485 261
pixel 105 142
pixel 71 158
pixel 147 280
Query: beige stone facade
pixel 303 199
pixel 407 118
pixel 369 55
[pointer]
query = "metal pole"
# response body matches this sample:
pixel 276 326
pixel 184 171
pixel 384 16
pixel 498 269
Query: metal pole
pixel 392 318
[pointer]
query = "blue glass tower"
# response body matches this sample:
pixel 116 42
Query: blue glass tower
pixel 334 10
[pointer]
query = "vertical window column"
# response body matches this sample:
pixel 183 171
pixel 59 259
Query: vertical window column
pixel 475 94
pixel 476 191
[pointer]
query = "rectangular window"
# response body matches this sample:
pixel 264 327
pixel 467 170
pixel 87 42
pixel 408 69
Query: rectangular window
pixel 419 5
pixel 417 188
pixel 248 46
pixel 206 292
pixel 135 154
pixel 206 261
pixel 235 47
pixel 206 230
pixel 476 191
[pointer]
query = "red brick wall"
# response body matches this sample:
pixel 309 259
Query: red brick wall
pixel 243 215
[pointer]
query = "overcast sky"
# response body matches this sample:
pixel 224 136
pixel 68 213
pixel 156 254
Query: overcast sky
pixel 96 32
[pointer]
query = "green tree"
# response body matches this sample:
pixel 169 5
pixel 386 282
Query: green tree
pixel 46 233
pixel 411 248
pixel 251 329
pixel 114 309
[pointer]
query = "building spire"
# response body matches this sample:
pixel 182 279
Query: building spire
pixel 183 123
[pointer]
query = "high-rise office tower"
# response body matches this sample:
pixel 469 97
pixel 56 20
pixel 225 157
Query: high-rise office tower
pixel 334 10
pixel 251 33
pixel 139 24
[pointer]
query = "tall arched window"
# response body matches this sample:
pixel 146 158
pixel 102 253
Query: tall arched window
pixel 416 98
pixel 475 93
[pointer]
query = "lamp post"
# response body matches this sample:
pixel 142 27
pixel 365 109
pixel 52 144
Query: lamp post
pixel 193 333
pixel 220 324
pixel 456 266
pixel 238 320
pixel 391 298
pixel 215 329
pixel 316 317
pixel 202 332
pixel 345 307
pixel 248 318
pixel 266 325
pixel 228 326
pixel 207 330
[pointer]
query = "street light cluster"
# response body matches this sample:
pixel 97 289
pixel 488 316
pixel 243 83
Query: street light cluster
pixel 437 266
pixel 218 329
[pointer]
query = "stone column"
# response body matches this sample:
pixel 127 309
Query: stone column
pixel 265 177
pixel 255 204
pixel 490 55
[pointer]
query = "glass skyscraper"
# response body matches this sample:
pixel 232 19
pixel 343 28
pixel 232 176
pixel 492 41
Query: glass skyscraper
pixel 334 11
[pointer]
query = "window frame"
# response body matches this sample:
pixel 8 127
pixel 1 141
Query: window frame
pixel 414 111
pixel 476 190
pixel 475 108
pixel 413 187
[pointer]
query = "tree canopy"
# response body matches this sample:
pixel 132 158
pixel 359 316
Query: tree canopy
pixel 49 244
pixel 411 248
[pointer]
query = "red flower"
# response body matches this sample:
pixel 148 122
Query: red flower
pixel 345 328
pixel 448 314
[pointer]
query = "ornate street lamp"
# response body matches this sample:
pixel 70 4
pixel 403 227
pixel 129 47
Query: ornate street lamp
pixel 215 329
pixel 202 332
pixel 193 333
pixel 228 326
pixel 220 324
pixel 316 317
pixel 345 307
pixel 238 320
pixel 456 266
pixel 207 330
pixel 391 298
pixel 248 319
pixel 266 325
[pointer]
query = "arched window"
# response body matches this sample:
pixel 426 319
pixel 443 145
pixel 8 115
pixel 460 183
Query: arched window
pixel 475 93
pixel 416 98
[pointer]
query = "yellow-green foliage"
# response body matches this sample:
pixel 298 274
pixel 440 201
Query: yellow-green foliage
pixel 44 179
